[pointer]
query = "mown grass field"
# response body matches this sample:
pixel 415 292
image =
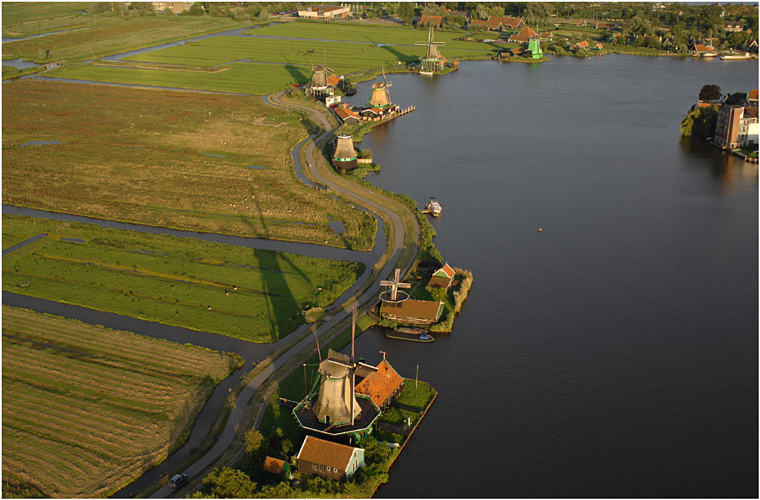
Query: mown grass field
pixel 86 409
pixel 142 156
pixel 22 19
pixel 111 35
pixel 256 295
pixel 292 63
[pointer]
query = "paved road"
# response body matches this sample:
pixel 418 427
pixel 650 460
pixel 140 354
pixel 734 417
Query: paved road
pixel 241 406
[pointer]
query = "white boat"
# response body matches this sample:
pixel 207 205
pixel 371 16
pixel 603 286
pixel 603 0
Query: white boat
pixel 433 207
pixel 731 57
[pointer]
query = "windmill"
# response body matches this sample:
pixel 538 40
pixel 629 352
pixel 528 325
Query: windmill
pixel 319 85
pixel 344 158
pixel 336 403
pixel 380 97
pixel 395 284
pixel 432 60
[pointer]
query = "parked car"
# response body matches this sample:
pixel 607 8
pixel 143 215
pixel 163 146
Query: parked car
pixel 178 480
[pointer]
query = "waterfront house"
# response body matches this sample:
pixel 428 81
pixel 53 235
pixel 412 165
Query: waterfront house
pixel 735 126
pixel 523 37
pixel 276 470
pixel 339 462
pixel 516 52
pixel 414 312
pixel 382 383
pixel 442 278
pixel 580 45
pixel 346 114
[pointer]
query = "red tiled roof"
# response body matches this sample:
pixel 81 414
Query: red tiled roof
pixel 415 309
pixel 509 22
pixel 526 31
pixel 583 44
pixel 493 25
pixel 703 48
pixel 436 20
pixel 344 113
pixel 753 94
pixel 381 385
pixel 446 269
pixel 323 452
pixel 546 35
pixel 273 465
pixel 333 80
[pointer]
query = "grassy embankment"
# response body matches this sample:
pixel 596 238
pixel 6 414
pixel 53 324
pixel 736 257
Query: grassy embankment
pixel 86 410
pixel 256 295
pixel 197 65
pixel 174 159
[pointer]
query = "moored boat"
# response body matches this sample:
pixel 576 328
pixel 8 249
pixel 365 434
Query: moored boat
pixel 410 329
pixel 433 207
pixel 413 337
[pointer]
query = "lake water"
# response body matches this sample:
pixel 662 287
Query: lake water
pixel 614 353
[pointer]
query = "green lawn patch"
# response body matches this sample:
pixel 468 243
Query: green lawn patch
pixel 255 295
pixel 20 228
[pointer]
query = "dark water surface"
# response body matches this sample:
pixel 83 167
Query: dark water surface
pixel 615 353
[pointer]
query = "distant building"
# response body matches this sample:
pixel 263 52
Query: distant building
pixel 733 26
pixel 325 12
pixel 175 7
pixel 329 460
pixel 736 126
pixel 580 45
pixel 509 23
pixel 347 114
pixel 523 37
pixel 605 26
pixel 436 21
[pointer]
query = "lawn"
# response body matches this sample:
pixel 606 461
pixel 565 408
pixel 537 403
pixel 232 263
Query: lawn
pixel 22 19
pixel 183 160
pixel 256 295
pixel 86 409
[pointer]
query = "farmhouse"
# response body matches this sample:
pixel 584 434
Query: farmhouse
pixel 318 457
pixel 442 278
pixel 276 470
pixel 426 20
pixel 325 12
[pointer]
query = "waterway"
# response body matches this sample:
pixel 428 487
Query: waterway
pixel 614 353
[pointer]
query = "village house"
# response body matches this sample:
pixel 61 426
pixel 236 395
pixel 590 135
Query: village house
pixel 414 312
pixel 487 24
pixel 733 26
pixel 325 11
pixel 175 7
pixel 605 26
pixel 382 383
pixel 698 49
pixel 523 37
pixel 508 23
pixel 339 462
pixel 427 20
pixel 442 278
pixel 346 114
pixel 735 126
pixel 276 470
pixel 580 45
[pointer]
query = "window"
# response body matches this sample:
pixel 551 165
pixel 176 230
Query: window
pixel 321 468
pixel 314 466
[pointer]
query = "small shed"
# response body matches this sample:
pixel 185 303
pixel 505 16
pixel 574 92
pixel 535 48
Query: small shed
pixel 442 278
pixel 276 470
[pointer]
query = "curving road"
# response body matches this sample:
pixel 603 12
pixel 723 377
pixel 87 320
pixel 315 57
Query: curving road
pixel 357 193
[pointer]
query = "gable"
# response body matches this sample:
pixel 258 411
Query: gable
pixel 323 452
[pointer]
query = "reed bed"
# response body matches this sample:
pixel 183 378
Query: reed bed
pixel 256 295
pixel 87 409
pixel 172 159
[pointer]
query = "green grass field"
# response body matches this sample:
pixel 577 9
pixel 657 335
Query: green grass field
pixel 255 295
pixel 86 409
pixel 142 156
pixel 19 228
pixel 22 19
pixel 110 35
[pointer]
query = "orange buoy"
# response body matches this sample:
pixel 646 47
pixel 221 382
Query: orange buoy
pixel 539 229
pixel 560 81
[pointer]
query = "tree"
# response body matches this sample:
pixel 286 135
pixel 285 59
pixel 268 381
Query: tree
pixel 406 12
pixel 196 10
pixel 254 441
pixel 100 7
pixel 699 122
pixel 122 8
pixel 710 93
pixel 43 54
pixel 229 483
pixel 264 14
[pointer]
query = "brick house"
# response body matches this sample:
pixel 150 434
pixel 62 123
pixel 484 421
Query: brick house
pixel 329 460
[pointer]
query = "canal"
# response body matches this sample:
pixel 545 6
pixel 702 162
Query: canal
pixel 614 353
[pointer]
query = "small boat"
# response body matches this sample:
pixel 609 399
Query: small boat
pixel 413 337
pixel 350 91
pixel 734 57
pixel 433 207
